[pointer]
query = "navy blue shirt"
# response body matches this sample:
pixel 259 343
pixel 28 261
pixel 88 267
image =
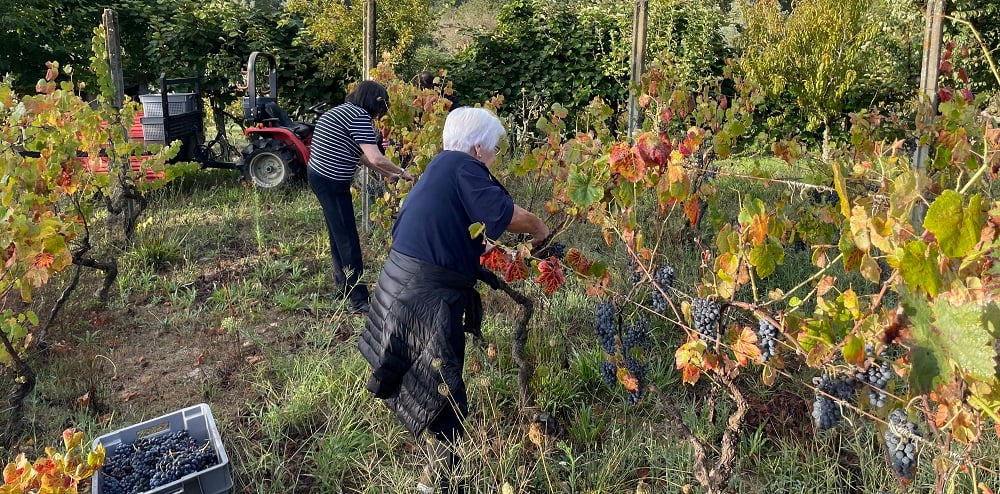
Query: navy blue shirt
pixel 454 192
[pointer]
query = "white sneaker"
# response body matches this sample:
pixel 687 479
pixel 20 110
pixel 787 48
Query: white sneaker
pixel 424 489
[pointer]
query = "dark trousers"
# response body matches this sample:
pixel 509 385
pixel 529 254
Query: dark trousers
pixel 345 246
pixel 442 458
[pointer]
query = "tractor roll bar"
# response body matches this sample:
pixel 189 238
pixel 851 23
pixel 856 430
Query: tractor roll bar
pixel 272 79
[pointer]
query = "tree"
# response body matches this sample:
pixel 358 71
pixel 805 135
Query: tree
pixel 334 32
pixel 816 53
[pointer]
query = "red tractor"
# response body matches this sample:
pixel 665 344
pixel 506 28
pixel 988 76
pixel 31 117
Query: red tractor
pixel 279 147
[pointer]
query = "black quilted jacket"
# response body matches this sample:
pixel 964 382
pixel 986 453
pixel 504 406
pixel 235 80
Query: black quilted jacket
pixel 414 338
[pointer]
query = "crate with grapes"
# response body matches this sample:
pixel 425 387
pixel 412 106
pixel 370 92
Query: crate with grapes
pixel 180 452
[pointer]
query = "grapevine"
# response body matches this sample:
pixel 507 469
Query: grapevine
pixel 609 374
pixel 705 314
pixel 767 340
pixel 901 443
pixel 831 393
pixel 605 325
pixel 636 335
pixel 663 280
pixel 877 377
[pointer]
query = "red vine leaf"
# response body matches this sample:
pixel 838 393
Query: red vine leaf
pixel 629 382
pixel 515 270
pixel 692 209
pixel 624 163
pixel 651 151
pixel 578 261
pixel 44 260
pixel 493 260
pixel 551 275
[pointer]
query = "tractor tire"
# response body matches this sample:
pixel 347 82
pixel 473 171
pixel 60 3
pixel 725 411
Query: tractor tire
pixel 270 164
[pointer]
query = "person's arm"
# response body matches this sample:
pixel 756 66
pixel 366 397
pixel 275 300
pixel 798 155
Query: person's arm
pixel 526 222
pixel 374 159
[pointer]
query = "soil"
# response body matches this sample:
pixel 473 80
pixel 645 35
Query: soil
pixel 123 366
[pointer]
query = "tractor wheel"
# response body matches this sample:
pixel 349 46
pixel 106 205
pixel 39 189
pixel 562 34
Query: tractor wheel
pixel 270 164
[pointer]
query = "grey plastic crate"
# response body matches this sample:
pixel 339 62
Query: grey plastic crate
pixel 177 103
pixel 152 129
pixel 198 421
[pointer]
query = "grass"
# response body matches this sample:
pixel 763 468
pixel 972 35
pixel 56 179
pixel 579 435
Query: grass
pixel 243 278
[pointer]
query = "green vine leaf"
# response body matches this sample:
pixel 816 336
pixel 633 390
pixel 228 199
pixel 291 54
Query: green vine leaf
pixel 476 229
pixel 918 265
pixel 956 228
pixel 766 257
pixel 945 337
pixel 583 188
pixel 966 340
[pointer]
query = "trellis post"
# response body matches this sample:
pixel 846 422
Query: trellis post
pixel 639 18
pixel 368 53
pixel 929 72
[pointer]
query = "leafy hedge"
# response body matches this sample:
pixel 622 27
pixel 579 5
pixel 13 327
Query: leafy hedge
pixel 571 52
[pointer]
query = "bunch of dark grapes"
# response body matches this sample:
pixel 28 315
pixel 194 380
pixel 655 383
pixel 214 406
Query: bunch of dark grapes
pixel 663 280
pixel 634 272
pixel 638 371
pixel 609 374
pixel 605 325
pixel 557 249
pixel 636 335
pixel 705 313
pixel 830 393
pixel 877 377
pixel 154 461
pixel 767 340
pixel 901 442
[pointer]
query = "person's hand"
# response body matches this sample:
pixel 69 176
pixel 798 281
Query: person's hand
pixel 541 237
pixel 405 175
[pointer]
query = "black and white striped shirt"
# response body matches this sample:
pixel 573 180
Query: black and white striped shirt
pixel 336 151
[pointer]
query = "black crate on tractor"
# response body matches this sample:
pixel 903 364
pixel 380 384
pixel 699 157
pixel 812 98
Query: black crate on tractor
pixel 198 422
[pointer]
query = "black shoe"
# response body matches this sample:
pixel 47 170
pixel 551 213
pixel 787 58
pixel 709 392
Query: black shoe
pixel 361 309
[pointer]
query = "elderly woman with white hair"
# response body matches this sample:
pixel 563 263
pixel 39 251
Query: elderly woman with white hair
pixel 425 300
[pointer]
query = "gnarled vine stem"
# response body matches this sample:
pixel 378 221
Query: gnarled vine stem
pixel 715 477
pixel 525 369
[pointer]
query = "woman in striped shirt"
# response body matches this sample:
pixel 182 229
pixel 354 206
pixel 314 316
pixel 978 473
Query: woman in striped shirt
pixel 345 137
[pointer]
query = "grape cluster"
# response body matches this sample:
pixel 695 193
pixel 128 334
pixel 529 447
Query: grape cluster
pixel 877 377
pixel 154 461
pixel 557 249
pixel 663 279
pixel 638 371
pixel 634 272
pixel 830 393
pixel 605 325
pixel 609 374
pixel 901 442
pixel 767 340
pixel 636 335
pixel 705 313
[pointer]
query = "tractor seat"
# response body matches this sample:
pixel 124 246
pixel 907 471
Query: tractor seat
pixel 298 128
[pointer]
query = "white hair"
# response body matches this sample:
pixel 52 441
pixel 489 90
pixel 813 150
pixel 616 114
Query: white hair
pixel 468 127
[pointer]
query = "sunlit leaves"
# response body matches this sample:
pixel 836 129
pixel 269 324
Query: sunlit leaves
pixel 584 187
pixel 691 360
pixel 58 472
pixel 476 229
pixel 947 337
pixel 743 341
pixel 918 266
pixel 955 226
